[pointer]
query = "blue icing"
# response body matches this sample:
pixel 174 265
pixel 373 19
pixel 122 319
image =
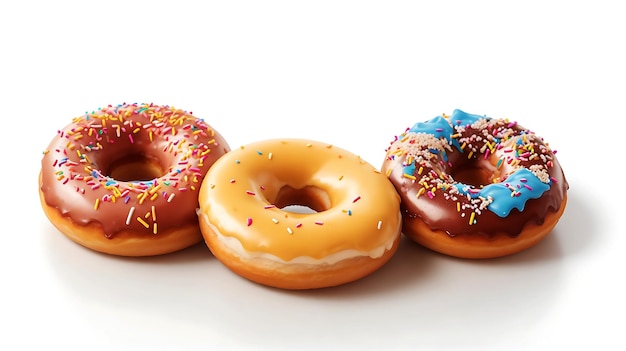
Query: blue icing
pixel 441 128
pixel 503 202
pixel 410 169
pixel 524 183
pixel 438 126
pixel 461 118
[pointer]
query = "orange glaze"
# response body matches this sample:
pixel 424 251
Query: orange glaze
pixel 125 179
pixel 243 196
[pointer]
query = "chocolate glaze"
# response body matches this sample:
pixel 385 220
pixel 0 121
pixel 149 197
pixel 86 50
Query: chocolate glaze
pixel 75 169
pixel 518 171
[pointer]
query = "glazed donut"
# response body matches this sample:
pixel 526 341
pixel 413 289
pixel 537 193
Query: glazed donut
pixel 474 186
pixel 124 179
pixel 249 224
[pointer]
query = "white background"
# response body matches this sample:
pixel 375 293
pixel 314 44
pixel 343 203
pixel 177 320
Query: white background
pixel 350 73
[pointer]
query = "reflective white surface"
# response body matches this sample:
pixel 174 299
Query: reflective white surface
pixel 349 73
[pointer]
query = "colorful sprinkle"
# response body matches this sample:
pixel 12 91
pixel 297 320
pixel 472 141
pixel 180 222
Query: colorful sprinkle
pixel 421 152
pixel 410 176
pixel 95 130
pixel 144 223
pixel 171 197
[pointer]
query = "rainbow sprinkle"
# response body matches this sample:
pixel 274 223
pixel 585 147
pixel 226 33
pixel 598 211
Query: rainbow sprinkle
pixel 425 154
pixel 74 156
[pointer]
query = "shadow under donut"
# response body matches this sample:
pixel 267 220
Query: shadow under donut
pixel 420 295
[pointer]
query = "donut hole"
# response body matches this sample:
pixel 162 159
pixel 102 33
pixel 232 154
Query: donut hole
pixel 309 199
pixel 298 209
pixel 135 167
pixel 476 174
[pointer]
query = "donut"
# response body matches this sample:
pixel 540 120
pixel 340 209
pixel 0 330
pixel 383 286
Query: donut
pixel 124 180
pixel 474 186
pixel 299 214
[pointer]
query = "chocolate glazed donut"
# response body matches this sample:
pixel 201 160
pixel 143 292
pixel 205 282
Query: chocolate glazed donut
pixel 124 179
pixel 474 186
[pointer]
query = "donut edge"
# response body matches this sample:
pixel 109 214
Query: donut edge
pixel 478 247
pixel 124 243
pixel 295 276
